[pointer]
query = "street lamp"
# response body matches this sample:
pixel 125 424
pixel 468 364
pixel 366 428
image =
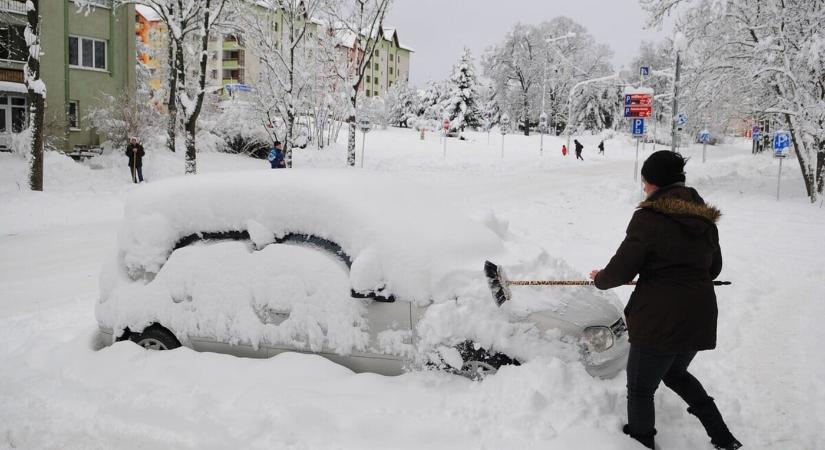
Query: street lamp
pixel 544 85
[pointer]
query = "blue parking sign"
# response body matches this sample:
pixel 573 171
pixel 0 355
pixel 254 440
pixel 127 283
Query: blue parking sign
pixel 781 143
pixel 638 127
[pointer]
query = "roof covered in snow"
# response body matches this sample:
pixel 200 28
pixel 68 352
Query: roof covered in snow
pixel 398 236
pixel 147 13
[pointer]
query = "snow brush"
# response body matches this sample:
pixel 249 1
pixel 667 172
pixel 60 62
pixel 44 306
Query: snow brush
pixel 500 284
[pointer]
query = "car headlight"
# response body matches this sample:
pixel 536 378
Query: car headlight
pixel 597 339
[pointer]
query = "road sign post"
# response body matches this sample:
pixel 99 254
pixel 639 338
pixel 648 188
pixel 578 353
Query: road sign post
pixel 781 143
pixel 365 126
pixel 446 126
pixel 542 129
pixel 704 137
pixel 638 129
pixel 504 125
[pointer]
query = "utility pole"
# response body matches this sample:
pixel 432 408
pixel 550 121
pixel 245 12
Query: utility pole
pixel 675 111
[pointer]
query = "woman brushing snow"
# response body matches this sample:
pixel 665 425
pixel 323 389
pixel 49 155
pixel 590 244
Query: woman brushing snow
pixel 673 245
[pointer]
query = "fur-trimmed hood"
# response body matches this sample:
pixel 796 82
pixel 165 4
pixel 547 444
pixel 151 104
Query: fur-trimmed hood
pixel 685 206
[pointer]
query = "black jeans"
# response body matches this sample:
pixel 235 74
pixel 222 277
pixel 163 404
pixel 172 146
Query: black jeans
pixel 137 174
pixel 647 367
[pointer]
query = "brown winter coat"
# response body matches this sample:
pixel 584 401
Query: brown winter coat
pixel 672 243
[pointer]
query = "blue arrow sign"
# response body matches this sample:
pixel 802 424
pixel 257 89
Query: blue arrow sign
pixel 704 136
pixel 681 119
pixel 638 127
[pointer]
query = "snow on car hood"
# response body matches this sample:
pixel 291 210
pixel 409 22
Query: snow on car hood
pixel 400 238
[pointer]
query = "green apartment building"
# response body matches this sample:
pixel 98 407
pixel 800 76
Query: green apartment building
pixel 86 54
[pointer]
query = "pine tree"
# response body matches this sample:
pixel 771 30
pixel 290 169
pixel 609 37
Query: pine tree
pixel 462 99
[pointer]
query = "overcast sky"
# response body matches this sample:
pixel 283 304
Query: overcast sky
pixel 438 29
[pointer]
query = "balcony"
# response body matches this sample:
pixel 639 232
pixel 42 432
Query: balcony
pixel 13 6
pixel 231 64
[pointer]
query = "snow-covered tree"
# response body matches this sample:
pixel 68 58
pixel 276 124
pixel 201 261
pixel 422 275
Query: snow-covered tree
pixel 539 65
pixel 402 104
pixel 770 53
pixel 37 93
pixel 432 101
pixel 358 21
pixel 190 24
pixel 286 57
pixel 461 105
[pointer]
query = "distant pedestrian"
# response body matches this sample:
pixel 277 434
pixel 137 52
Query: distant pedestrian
pixel 601 148
pixel 134 151
pixel 579 148
pixel 276 156
pixel 563 150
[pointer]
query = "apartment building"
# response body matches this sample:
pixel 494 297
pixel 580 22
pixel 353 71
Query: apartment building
pixel 390 63
pixel 85 55
pixel 152 51
pixel 231 67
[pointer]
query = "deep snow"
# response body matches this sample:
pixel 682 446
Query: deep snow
pixel 57 391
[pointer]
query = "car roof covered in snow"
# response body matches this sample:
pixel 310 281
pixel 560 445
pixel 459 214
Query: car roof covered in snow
pixel 401 239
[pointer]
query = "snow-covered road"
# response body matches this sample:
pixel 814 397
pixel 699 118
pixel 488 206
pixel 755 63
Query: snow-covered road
pixel 57 391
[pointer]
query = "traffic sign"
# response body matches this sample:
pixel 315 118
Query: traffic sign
pixel 637 100
pixel 704 136
pixel 638 111
pixel 638 127
pixel 681 119
pixel 781 143
pixel 756 133
pixel 644 71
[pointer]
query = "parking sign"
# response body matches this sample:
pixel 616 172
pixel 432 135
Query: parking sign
pixel 638 127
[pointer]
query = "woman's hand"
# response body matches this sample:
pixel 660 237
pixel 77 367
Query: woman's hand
pixel 593 273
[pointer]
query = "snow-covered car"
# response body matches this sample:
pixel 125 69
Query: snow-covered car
pixel 366 269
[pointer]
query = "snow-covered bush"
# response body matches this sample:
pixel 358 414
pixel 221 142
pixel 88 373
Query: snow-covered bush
pixel 126 114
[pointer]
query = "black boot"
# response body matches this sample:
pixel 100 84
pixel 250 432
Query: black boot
pixel 711 419
pixel 646 439
pixel 732 446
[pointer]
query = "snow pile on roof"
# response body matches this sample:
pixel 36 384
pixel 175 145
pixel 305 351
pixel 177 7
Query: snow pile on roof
pixel 147 13
pixel 630 90
pixel 400 240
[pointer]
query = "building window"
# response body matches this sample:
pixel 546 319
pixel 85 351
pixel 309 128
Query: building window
pixel 369 80
pixel 390 70
pixel 375 93
pixel 375 52
pixel 12 43
pixel 214 74
pixel 87 52
pixel 368 93
pixel 390 84
pixel 376 66
pixel 72 115
pixel 276 26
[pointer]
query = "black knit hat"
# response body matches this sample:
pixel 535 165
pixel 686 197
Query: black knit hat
pixel 664 168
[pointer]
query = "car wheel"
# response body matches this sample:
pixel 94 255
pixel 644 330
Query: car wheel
pixel 155 337
pixel 477 370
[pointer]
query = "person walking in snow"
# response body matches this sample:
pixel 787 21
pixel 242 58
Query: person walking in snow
pixel 672 243
pixel 563 150
pixel 276 156
pixel 601 148
pixel 134 151
pixel 579 148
